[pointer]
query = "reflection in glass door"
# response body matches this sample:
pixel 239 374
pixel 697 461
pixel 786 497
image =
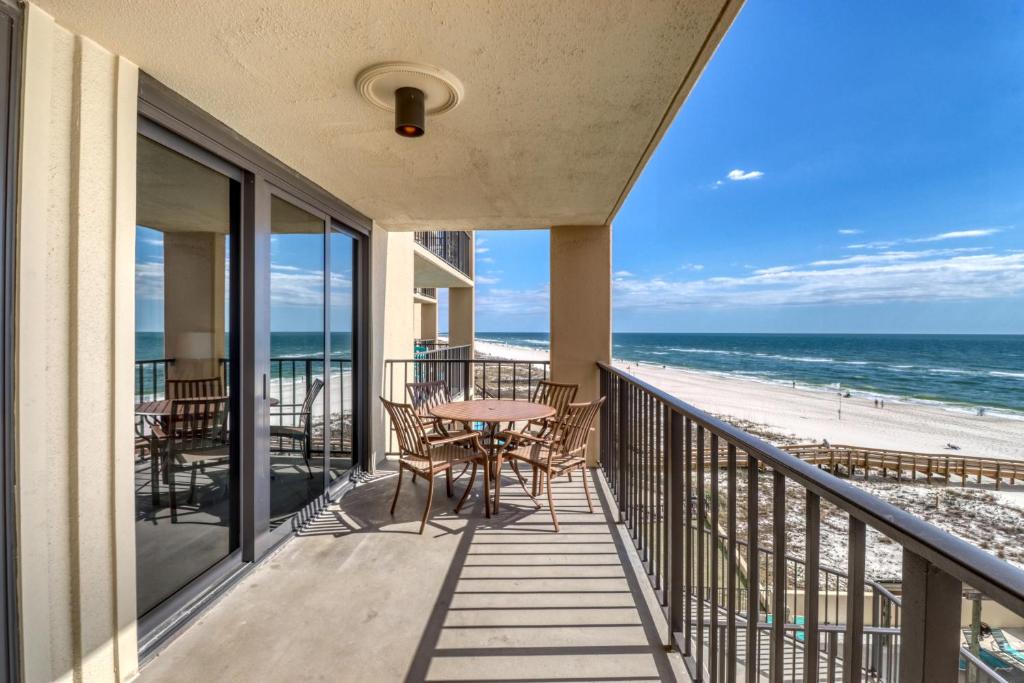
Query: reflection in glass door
pixel 297 346
pixel 185 470
pixel 342 255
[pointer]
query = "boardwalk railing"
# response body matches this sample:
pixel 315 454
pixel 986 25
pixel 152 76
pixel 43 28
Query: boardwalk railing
pixel 455 247
pixel 466 378
pixel 701 529
pixel 902 464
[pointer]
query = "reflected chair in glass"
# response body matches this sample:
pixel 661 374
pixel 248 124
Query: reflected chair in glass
pixel 298 434
pixel 196 436
pixel 561 451
pixel 428 457
pixel 206 387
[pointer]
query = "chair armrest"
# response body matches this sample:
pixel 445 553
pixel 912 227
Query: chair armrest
pixel 454 438
pixel 511 436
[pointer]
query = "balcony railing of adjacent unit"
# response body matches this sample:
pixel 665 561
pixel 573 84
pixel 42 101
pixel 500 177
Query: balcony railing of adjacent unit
pixel 486 378
pixel 452 246
pixel 429 292
pixel 706 558
pixel 424 345
pixel 288 380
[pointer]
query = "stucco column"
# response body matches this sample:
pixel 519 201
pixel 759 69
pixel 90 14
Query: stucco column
pixel 194 303
pixel 391 328
pixel 428 321
pixel 461 316
pixel 581 308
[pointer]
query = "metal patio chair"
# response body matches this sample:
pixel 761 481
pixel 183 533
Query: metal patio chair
pixel 561 451
pixel 428 457
pixel 300 432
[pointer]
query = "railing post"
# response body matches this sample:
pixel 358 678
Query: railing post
pixel 930 622
pixel 677 501
pixel 467 379
pixel 623 446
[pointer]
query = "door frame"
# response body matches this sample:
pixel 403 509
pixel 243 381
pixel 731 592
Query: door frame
pixel 160 106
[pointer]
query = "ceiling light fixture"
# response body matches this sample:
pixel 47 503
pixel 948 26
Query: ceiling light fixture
pixel 412 91
pixel 410 114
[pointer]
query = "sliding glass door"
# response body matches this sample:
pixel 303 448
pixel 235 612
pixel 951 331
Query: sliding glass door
pixel 342 251
pixel 298 299
pixel 186 466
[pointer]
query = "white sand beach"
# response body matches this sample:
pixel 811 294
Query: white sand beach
pixel 812 415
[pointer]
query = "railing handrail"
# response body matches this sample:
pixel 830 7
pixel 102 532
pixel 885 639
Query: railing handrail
pixel 984 572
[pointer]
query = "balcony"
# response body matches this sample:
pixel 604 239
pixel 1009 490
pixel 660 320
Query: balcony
pixel 425 292
pixel 692 545
pixel 454 247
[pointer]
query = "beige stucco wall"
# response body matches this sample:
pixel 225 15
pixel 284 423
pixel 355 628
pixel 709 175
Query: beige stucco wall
pixel 581 308
pixel 194 303
pixel 427 323
pixel 73 403
pixel 392 324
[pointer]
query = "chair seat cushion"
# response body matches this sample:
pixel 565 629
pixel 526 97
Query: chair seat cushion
pixel 284 430
pixel 203 454
pixel 442 457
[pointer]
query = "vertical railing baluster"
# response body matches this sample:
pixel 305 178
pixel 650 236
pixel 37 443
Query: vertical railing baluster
pixel 753 571
pixel 701 597
pixel 675 521
pixel 688 512
pixel 778 630
pixel 623 448
pixel 730 580
pixel 715 555
pixel 811 577
pixel 853 645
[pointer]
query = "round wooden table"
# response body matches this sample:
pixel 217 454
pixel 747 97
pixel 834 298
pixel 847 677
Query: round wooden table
pixel 493 413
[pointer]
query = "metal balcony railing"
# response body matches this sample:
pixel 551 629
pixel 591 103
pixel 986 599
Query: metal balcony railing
pixel 428 292
pixel 455 247
pixel 712 512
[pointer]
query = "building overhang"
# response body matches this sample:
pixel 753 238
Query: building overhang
pixel 563 103
pixel 430 270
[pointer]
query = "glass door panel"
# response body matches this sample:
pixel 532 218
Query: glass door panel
pixel 185 468
pixel 342 252
pixel 297 343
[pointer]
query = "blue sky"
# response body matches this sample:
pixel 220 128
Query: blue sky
pixel 840 167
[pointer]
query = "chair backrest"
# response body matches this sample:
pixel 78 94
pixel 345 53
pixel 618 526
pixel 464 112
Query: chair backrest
pixel 198 423
pixel 408 428
pixel 206 387
pixel 307 404
pixel 573 430
pixel 425 395
pixel 556 395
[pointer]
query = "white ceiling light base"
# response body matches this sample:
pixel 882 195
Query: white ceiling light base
pixel 377 85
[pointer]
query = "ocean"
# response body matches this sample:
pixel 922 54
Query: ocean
pixel 969 371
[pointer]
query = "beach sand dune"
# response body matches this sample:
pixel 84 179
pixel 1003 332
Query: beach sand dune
pixel 811 414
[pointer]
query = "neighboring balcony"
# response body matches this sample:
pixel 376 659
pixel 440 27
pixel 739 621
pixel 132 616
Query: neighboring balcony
pixel 454 247
pixel 425 293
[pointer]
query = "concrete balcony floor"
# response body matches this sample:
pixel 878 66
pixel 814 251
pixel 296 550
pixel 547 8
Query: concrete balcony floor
pixel 360 596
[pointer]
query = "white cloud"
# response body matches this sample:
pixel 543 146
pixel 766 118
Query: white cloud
pixel 739 174
pixel 487 280
pixel 149 280
pixel 931 275
pixel 482 250
pixel 849 231
pixel 692 266
pixel 485 259
pixel 940 237
pixel 511 302
pixel 622 273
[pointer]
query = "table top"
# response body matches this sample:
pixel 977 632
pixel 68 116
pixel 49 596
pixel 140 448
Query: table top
pixel 162 408
pixel 492 411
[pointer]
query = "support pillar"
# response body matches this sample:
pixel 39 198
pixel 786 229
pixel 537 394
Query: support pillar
pixel 581 308
pixel 194 270
pixel 461 317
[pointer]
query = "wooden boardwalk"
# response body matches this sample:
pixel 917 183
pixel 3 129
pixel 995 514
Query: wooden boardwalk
pixel 928 468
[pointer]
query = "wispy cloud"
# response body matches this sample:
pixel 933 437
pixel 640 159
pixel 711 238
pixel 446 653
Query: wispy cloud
pixel 487 280
pixel 622 273
pixel 739 174
pixel 849 231
pixel 692 266
pixel 940 237
pixel 513 302
pixel 929 275
pixel 482 250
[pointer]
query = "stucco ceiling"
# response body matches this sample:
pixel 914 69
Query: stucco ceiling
pixel 563 100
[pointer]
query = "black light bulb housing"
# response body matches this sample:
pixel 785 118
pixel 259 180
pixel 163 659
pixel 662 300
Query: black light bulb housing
pixel 410 117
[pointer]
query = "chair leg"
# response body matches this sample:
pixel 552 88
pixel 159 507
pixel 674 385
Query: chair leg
pixel 570 475
pixel 586 487
pixel 192 484
pixel 448 481
pixel 551 502
pixel 522 482
pixel 154 471
pixel 305 454
pixel 469 487
pixel 397 489
pixel 430 498
pixel 414 477
pixel 172 494
pixel 497 483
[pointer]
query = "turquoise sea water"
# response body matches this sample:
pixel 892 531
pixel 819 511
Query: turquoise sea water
pixel 967 370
